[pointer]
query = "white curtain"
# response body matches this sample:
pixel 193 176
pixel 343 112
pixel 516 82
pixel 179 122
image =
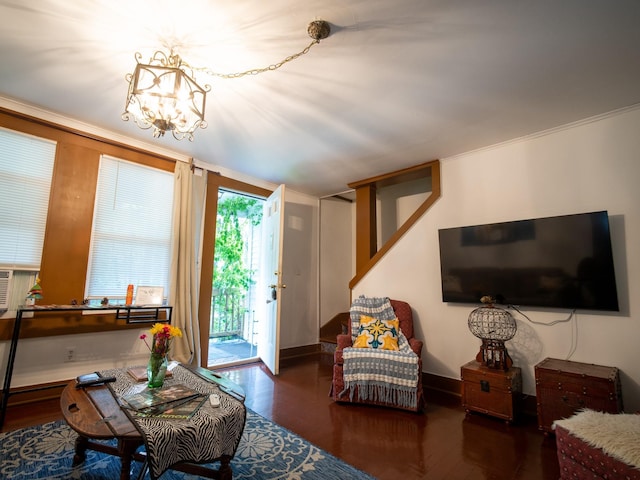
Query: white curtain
pixel 189 196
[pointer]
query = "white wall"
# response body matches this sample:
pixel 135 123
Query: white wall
pixel 42 360
pixel 336 257
pixel 584 167
pixel 395 204
pixel 299 318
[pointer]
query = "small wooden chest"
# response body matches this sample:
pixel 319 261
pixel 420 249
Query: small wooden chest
pixel 563 387
pixel 490 391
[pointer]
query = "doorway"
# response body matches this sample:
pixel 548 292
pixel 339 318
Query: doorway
pixel 233 322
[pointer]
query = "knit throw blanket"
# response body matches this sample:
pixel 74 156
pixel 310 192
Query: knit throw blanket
pixel 385 376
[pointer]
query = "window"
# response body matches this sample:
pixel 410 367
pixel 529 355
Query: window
pixel 26 169
pixel 132 225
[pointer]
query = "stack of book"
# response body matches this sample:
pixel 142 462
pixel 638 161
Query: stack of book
pixel 175 401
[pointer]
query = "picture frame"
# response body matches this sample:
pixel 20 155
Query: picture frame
pixel 146 295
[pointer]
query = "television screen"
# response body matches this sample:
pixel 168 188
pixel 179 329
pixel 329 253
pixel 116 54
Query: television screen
pixel 558 262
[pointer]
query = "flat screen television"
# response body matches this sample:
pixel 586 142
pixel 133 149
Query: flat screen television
pixel 557 262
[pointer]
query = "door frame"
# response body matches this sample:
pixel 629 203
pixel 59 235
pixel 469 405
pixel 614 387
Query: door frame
pixel 215 182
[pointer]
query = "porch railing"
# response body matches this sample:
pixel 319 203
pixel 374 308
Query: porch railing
pixel 228 314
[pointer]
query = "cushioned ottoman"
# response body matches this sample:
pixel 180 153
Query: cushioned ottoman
pixel 596 445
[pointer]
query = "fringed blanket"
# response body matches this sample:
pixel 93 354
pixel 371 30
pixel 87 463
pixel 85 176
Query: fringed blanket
pixel 385 376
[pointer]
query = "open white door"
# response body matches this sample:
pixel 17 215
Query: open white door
pixel 272 282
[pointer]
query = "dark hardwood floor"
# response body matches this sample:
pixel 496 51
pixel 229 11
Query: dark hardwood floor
pixel 440 443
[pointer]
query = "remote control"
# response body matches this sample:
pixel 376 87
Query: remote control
pixel 91 379
pixel 214 400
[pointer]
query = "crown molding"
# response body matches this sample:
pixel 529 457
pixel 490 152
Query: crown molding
pixel 56 118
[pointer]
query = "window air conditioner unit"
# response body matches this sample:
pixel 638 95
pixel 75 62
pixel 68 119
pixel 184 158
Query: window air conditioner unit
pixel 5 288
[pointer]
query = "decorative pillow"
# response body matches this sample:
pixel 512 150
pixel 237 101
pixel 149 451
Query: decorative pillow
pixel 377 333
pixel 378 307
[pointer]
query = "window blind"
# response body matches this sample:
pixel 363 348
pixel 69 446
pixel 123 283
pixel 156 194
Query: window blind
pixel 132 225
pixel 26 169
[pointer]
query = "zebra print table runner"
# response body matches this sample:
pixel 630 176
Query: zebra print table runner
pixel 207 436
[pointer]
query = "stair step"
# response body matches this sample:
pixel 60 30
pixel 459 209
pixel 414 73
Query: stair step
pixel 337 325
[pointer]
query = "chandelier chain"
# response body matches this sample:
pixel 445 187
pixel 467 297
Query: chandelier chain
pixel 257 71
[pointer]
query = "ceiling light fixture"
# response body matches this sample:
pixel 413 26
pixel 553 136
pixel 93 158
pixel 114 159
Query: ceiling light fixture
pixel 164 95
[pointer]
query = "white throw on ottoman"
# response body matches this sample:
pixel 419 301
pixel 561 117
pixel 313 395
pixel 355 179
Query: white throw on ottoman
pixel 597 445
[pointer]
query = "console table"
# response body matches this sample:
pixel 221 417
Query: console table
pixel 131 314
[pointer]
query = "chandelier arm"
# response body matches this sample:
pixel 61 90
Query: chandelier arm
pixel 256 71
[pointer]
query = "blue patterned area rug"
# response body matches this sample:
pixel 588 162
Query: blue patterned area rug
pixel 266 452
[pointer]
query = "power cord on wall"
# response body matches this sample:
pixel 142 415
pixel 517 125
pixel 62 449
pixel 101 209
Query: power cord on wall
pixel 554 322
pixel 574 331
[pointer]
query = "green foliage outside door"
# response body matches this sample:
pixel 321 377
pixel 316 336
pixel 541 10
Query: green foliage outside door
pixel 237 227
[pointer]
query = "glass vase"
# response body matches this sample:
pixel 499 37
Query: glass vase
pixel 156 370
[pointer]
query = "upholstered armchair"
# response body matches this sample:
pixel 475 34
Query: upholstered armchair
pixel 341 394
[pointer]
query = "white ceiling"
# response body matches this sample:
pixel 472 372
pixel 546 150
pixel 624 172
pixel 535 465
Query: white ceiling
pixel 397 83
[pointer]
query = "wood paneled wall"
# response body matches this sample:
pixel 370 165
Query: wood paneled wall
pixel 65 256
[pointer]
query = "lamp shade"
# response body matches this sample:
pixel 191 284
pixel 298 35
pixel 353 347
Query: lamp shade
pixel 494 326
pixel 492 323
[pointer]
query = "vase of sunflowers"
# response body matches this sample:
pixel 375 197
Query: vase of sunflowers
pixel 162 337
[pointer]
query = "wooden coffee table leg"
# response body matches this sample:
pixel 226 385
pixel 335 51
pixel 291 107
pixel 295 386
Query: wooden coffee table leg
pixel 125 469
pixel 81 450
pixel 126 450
pixel 225 472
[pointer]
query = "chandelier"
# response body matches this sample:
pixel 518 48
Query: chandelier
pixel 163 94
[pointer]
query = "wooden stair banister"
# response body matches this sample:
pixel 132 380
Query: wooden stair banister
pixel 367 255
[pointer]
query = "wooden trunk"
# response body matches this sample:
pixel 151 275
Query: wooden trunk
pixel 494 392
pixel 563 387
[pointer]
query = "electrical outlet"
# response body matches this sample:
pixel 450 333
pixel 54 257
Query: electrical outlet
pixel 71 354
